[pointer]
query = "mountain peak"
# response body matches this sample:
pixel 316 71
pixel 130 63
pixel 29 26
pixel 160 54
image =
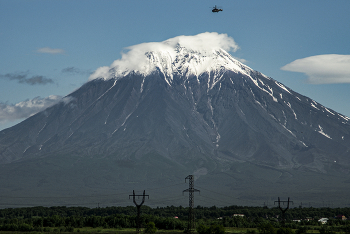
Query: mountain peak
pixel 182 55
pixel 233 128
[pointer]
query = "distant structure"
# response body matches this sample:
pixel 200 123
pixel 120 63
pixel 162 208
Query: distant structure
pixel 238 215
pixel 283 210
pixel 191 190
pixel 138 206
pixel 323 220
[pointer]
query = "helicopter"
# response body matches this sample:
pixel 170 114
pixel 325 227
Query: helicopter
pixel 215 9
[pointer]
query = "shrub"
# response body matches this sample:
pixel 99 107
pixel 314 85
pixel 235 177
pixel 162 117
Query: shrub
pixel 324 230
pixel 301 230
pixel 69 229
pixel 150 228
pixel 201 229
pixel 266 228
pixel 217 229
pixel 283 230
pixel 213 229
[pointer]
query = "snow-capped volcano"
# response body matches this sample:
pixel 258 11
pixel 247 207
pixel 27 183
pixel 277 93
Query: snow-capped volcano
pixel 183 56
pixel 178 107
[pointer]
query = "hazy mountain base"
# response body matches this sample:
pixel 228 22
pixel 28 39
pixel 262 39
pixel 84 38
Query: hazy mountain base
pixel 70 181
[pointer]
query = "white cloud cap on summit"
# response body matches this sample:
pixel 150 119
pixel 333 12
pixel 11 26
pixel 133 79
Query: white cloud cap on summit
pixel 323 69
pixel 136 56
pixel 204 41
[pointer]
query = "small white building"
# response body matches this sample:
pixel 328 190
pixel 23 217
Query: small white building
pixel 323 220
pixel 239 215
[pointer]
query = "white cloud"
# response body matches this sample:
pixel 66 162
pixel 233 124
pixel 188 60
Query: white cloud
pixel 25 109
pixel 204 41
pixel 242 60
pixel 100 72
pixel 136 58
pixel 323 69
pixel 48 50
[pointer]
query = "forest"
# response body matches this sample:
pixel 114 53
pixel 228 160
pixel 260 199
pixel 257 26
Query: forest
pixel 255 219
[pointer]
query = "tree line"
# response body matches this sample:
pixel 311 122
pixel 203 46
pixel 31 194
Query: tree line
pixel 172 211
pixel 169 218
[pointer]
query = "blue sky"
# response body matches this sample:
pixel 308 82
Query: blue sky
pixel 49 48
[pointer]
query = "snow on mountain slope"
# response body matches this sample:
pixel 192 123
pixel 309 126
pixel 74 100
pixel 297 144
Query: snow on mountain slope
pixel 194 76
pixel 187 56
pixel 183 55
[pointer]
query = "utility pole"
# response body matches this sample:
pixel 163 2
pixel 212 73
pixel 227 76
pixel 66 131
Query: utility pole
pixel 283 210
pixel 191 190
pixel 138 206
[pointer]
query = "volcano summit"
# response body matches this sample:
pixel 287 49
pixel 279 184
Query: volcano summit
pixel 169 109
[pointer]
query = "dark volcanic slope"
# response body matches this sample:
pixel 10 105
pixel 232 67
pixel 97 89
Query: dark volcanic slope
pixel 242 133
pixel 234 120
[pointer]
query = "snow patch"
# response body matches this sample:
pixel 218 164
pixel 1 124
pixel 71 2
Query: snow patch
pixel 322 132
pixel 288 130
pixel 303 143
pixel 106 119
pixel 107 90
pixel 344 117
pixel 313 105
pixel 269 93
pixel 42 128
pixel 232 81
pixel 218 138
pixel 70 135
pixel 282 87
pixel 126 119
pixel 290 106
pixel 26 149
pixel 329 111
pixel 143 81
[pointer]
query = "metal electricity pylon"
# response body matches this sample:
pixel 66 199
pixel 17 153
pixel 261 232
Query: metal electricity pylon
pixel 283 210
pixel 191 190
pixel 138 206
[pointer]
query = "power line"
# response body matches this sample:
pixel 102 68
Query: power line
pixel 56 197
pixel 165 187
pixel 215 192
pixel 191 190
pixel 138 206
pixel 283 210
pixel 171 199
pixel 202 196
pixel 85 196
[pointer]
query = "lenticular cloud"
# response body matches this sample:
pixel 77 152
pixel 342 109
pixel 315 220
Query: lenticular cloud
pixel 204 41
pixel 323 69
pixel 136 57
